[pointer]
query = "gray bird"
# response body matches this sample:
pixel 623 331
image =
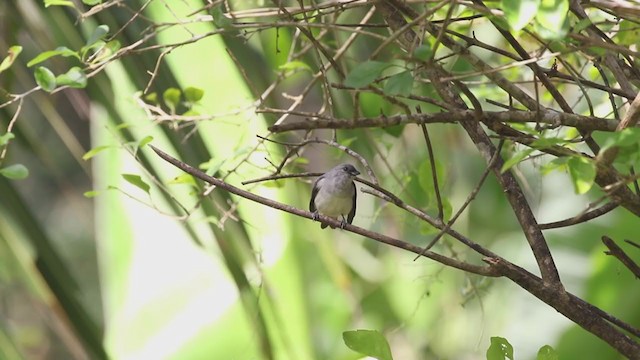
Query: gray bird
pixel 334 194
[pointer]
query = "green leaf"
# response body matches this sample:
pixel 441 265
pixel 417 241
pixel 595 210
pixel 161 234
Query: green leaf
pixel 145 141
pixel 552 14
pixel 295 65
pixel 68 3
pixel 519 12
pixel 555 164
pixel 137 181
pixel 171 98
pixel 183 179
pixel 91 194
pixel 4 139
pixel 365 73
pixel 15 172
pixel 583 173
pixel 151 98
pixel 624 138
pixel 61 51
pixel 399 84
pixel 423 52
pixel 45 78
pixel 516 159
pixel 74 78
pixel 12 55
pixel 193 94
pixel 547 353
pixel 368 342
pixel 91 2
pixel 499 349
pixel 98 33
pixel 93 152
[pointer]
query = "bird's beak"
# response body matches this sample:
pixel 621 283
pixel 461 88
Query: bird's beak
pixel 355 173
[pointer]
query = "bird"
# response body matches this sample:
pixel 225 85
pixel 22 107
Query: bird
pixel 334 195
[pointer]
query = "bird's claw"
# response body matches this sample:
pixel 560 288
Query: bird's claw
pixel 315 215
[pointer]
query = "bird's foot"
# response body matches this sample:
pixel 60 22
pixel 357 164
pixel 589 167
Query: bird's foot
pixel 315 215
pixel 343 222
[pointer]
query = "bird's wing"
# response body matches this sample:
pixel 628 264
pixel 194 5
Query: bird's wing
pixel 314 192
pixel 352 213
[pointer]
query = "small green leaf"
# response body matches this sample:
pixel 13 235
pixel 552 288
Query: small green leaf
pixel 295 65
pixel 183 179
pixel 12 54
pixel 399 84
pixel 624 138
pixel 98 33
pixel 423 52
pixel 137 181
pixel 91 2
pixel 145 141
pixel 91 194
pixel 93 152
pixel 45 78
pixel 555 164
pixel 499 349
pixel 171 98
pixel 68 3
pixel 369 343
pixel 365 73
pixel 61 51
pixel 519 12
pixel 193 94
pixel 516 159
pixel 4 139
pixel 586 22
pixel 583 173
pixel 552 14
pixel 15 172
pixel 74 78
pixel 547 353
pixel 151 98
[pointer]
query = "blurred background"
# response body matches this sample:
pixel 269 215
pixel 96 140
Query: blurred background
pixel 114 253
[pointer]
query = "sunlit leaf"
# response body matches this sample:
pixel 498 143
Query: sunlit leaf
pixel 5 138
pixel 295 65
pixel 547 353
pixel 193 94
pixel 60 51
pixel 48 3
pixel 519 12
pixel 368 342
pixel 171 98
pixel 91 2
pixel 12 55
pixel 144 141
pixel 365 73
pixel 91 194
pixel 552 15
pixel 182 179
pixel 74 78
pixel 93 152
pixel 137 181
pixel 516 159
pixel 15 172
pixel 45 78
pixel 583 173
pixel 499 349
